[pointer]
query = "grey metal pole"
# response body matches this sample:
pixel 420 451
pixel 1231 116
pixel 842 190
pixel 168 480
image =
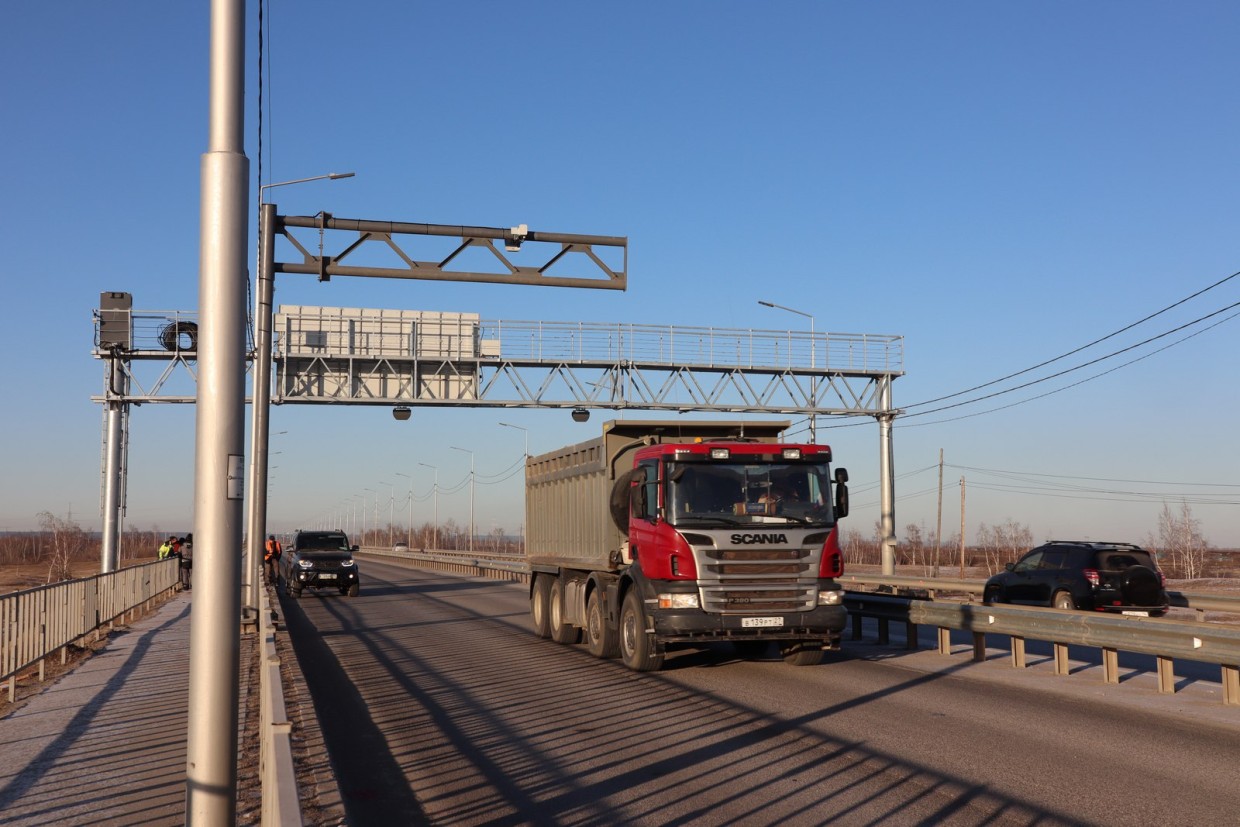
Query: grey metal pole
pixel 117 385
pixel 219 466
pixel 436 490
pixel 887 484
pixel 260 410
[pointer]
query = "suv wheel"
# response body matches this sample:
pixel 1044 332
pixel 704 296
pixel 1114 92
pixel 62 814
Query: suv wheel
pixel 991 596
pixel 1063 600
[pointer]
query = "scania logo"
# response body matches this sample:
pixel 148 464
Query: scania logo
pixel 752 539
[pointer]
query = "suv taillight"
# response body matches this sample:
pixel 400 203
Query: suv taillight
pixel 1092 576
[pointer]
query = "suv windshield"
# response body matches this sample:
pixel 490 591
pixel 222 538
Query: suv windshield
pixel 322 541
pixel 738 493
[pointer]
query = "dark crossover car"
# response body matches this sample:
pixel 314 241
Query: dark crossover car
pixel 322 560
pixel 1071 574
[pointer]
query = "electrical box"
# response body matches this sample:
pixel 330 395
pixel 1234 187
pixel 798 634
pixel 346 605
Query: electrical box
pixel 115 320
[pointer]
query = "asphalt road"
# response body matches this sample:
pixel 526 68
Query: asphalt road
pixel 439 706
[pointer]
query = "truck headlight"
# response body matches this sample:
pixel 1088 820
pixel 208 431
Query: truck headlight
pixel 678 601
pixel 830 598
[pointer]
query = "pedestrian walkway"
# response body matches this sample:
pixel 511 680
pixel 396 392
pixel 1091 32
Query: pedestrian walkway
pixel 106 743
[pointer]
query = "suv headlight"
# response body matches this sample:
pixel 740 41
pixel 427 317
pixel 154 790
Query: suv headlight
pixel 344 564
pixel 306 564
pixel 830 598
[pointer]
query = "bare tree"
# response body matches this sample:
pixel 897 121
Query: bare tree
pixel 1181 542
pixel 858 549
pixel 1004 543
pixel 914 548
pixel 67 542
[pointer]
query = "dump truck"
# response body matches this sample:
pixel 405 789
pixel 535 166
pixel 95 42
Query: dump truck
pixel 662 534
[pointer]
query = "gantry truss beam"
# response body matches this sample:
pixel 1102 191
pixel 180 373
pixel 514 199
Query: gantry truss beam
pixel 373 357
pixel 376 249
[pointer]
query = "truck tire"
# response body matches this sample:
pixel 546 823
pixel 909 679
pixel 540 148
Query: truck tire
pixel 638 649
pixel 561 632
pixel 602 640
pixel 801 652
pixel 540 599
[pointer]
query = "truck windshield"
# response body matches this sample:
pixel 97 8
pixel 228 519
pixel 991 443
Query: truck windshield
pixel 735 493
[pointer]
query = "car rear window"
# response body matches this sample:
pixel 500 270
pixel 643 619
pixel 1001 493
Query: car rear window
pixel 1124 559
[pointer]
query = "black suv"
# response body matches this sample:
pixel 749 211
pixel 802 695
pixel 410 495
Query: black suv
pixel 1070 574
pixel 322 560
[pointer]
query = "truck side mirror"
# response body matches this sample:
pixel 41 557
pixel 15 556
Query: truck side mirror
pixel 841 493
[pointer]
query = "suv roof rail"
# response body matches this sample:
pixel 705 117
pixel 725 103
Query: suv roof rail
pixel 1093 543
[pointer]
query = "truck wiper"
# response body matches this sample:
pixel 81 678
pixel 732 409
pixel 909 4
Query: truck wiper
pixel 709 519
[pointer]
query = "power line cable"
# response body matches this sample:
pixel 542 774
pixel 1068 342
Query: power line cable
pixel 1078 367
pixel 1058 390
pixel 1079 349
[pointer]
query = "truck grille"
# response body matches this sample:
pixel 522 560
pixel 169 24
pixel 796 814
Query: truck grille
pixel 757 581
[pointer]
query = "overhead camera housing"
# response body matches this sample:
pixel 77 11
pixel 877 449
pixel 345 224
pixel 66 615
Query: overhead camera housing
pixel 516 235
pixel 401 412
pixel 580 414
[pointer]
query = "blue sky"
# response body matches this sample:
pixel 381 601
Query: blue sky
pixel 998 183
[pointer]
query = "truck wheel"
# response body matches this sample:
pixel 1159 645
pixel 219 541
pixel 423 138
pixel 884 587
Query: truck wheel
pixel 540 597
pixel 561 632
pixel 602 640
pixel 638 649
pixel 801 652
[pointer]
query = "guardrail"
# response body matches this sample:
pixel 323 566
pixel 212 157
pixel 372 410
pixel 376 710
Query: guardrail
pixel 37 622
pixel 277 774
pixel 1165 639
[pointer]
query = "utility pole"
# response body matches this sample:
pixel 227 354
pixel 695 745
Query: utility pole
pixel 962 528
pixel 938 532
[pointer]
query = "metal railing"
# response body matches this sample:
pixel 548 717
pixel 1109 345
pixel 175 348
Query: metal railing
pixel 1166 639
pixel 277 774
pixel 35 623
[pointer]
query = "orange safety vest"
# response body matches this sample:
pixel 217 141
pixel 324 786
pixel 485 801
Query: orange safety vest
pixel 273 550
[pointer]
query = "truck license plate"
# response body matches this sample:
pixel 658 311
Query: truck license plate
pixel 1132 613
pixel 755 622
pixel 327 576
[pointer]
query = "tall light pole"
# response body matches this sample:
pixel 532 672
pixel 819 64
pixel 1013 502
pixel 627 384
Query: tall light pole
pixel 471 494
pixel 376 493
pixel 219 436
pixel 391 509
pixel 436 489
pixel 409 539
pixel 526 431
pixel 813 380
pixel 260 409
pixel 525 456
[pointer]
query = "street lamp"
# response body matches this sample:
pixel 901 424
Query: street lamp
pixel 471 495
pixel 376 493
pixel 406 476
pixel 813 380
pixel 391 509
pixel 527 436
pixel 526 457
pixel 332 176
pixel 260 410
pixel 436 490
